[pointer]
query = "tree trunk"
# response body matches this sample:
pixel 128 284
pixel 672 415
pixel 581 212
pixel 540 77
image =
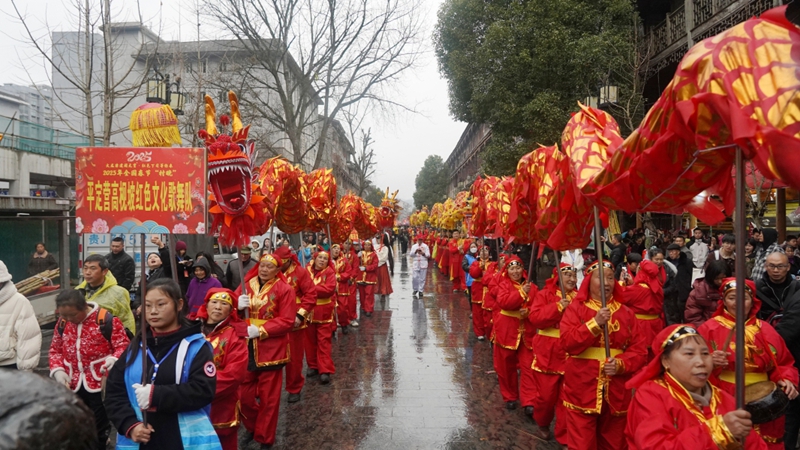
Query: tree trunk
pixel 87 92
pixel 108 95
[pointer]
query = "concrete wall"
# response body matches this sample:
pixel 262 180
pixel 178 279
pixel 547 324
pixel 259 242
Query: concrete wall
pixel 17 167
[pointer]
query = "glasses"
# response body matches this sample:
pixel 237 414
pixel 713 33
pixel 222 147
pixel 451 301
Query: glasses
pixel 777 267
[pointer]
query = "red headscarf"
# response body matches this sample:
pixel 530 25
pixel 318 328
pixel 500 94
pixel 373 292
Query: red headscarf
pixel 511 261
pixel 665 338
pixel 729 284
pixel 585 294
pixel 314 258
pixel 284 253
pixel 228 296
pixel 271 257
pixel 552 282
pixel 650 274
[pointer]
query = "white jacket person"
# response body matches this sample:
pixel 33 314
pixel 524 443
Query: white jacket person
pixel 20 336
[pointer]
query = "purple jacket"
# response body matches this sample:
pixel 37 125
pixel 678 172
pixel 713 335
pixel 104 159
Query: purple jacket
pixel 196 293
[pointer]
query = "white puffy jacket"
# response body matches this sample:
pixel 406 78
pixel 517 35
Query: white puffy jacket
pixel 20 335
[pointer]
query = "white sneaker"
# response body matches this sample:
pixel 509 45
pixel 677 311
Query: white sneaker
pixel 481 338
pixel 354 323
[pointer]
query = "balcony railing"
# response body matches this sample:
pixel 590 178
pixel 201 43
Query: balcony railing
pixel 34 138
pixel 708 18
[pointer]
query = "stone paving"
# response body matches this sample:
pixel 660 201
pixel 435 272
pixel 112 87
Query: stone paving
pixel 411 377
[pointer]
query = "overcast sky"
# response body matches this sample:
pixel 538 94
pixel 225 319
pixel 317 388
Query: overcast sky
pixel 401 143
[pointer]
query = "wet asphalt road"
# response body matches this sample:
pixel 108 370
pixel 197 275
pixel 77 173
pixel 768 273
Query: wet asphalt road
pixel 411 377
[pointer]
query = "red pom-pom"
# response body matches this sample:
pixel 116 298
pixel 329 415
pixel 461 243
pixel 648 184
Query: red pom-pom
pixel 225 120
pixel 203 134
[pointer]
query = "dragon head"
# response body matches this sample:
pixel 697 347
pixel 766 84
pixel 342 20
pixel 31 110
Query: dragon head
pixel 230 159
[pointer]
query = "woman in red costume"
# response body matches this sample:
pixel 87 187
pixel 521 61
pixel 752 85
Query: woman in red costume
pixel 490 280
pixel 456 250
pixel 349 252
pixel 645 297
pixel 676 408
pixel 766 355
pixel 594 390
pixel 444 259
pixel 548 356
pixel 384 286
pixel 319 336
pixel 477 271
pixel 367 278
pixel 344 271
pixel 228 337
pixel 514 300
pixel 272 311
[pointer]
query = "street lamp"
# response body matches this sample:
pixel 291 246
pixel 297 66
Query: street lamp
pixel 160 90
pixel 607 95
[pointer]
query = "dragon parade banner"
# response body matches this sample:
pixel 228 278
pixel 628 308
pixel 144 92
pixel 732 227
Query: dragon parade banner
pixel 140 190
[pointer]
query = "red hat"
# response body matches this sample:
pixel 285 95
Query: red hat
pixel 225 295
pixel 668 336
pixel 552 282
pixel 284 253
pixel 729 284
pixel 651 274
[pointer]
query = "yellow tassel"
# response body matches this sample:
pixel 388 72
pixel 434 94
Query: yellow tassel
pixel 154 126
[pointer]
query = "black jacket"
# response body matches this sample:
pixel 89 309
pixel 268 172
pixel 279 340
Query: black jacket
pixel 123 268
pixel 775 296
pixel 168 398
pixel 184 271
pixel 39 265
pixel 683 280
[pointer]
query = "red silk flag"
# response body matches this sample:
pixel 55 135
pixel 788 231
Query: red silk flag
pixel 285 189
pixel 321 188
pixel 522 214
pixel 741 87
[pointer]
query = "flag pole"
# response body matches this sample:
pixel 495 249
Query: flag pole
pixel 143 318
pixel 739 223
pixel 598 234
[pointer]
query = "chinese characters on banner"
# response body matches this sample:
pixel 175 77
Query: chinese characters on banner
pixel 140 190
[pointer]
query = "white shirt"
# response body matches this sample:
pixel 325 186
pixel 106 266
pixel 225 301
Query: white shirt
pixel 419 261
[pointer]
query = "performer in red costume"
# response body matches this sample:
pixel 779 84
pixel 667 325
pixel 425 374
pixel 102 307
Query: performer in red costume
pixel 514 300
pixel 676 408
pixel 594 390
pixel 320 334
pixel 343 268
pixel 367 278
pixel 228 337
pixel 273 312
pixel 766 356
pixel 490 308
pixel 305 299
pixel 456 250
pixel 349 252
pixel 645 297
pixel 548 356
pixel 476 271
pixel 444 252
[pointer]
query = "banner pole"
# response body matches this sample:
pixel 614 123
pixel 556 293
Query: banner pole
pixel 739 223
pixel 598 248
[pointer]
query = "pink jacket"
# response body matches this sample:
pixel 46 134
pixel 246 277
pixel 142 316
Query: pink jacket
pixel 702 302
pixel 82 350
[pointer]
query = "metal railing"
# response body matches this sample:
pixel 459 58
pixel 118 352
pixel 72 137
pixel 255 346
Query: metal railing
pixel 40 139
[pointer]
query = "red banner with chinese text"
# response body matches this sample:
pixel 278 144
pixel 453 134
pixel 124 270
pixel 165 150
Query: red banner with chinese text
pixel 140 190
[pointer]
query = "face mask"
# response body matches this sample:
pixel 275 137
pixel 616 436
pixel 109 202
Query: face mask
pixel 473 250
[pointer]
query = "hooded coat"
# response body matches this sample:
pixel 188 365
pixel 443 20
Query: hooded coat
pixel 20 336
pixel 196 293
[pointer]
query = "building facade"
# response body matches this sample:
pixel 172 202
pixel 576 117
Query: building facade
pixel 464 162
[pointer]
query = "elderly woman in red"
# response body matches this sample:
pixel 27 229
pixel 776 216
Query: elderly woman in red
pixel 766 355
pixel 594 392
pixel 514 298
pixel 676 408
pixel 548 356
pixel 320 333
pixel 367 278
pixel 645 297
pixel 228 337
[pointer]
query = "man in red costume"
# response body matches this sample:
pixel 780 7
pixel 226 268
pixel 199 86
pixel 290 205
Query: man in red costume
pixel 594 386
pixel 549 358
pixel 514 300
pixel 305 299
pixel 444 254
pixel 349 252
pixel 456 250
pixel 272 311
pixel 343 268
pixel 490 289
pixel 227 334
pixel 320 333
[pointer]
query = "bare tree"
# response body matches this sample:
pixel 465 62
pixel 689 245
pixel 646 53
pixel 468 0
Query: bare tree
pixel 348 52
pixel 630 107
pixel 99 74
pixel 365 162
